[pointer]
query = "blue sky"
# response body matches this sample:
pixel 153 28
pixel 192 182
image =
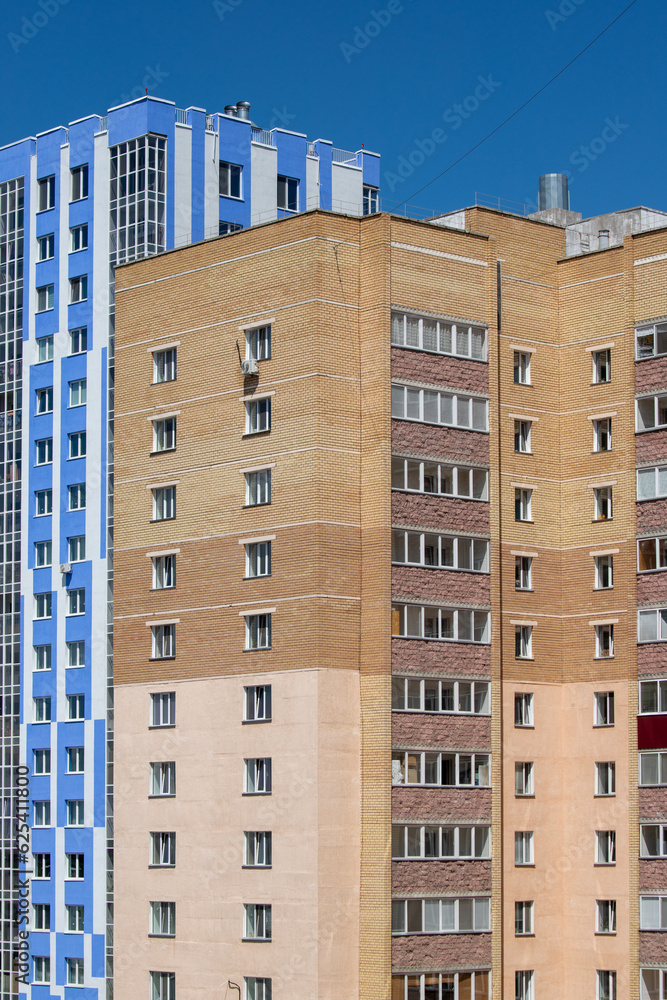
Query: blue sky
pixel 389 74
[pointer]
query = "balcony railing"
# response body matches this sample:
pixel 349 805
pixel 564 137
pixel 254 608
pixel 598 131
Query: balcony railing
pixel 344 156
pixel 262 136
pixel 104 124
pixel 181 116
pixel 209 123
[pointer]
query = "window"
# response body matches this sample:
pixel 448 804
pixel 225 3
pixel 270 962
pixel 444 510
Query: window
pixel 652 697
pixel 522 505
pixel 164 434
pixel 164 365
pixel 230 180
pixel 605 916
pixel 76 707
pixel 225 228
pixel 46 193
pixel 523 848
pixel 523 918
pixel 256 922
pixel 74 812
pixel 414 548
pixel 258 416
pixel 602 434
pixel 258 631
pixel 370 202
pixel 256 989
pixel 42 917
pixel 164 641
pixel 77 444
pixel 43 553
pixel 522 435
pixel 653 984
pixel 605 778
pixel 601 366
pixel 42 657
pixel 163 919
pixel 42 866
pixel 605 847
pixel 604 572
pixel 653 625
pixel 163 778
pixel 522 369
pixel 43 502
pixel 76 654
pixel 44 451
pixel 523 985
pixel 44 298
pixel 258 343
pixel 454 986
pixel 257 776
pixel 414 767
pixel 46 247
pixel 75 758
pixel 76 601
pixel 164 503
pixel 653 841
pixel 604 641
pixel 257 703
pixel 522 572
pixel 42 813
pixel 163 985
pixel 604 708
pixel 79 177
pixel 78 288
pixel 76 548
pixel 416 694
pixel 651 412
pixel 77 392
pixel 603 507
pixel 258 487
pixel 606 985
pixel 163 850
pixel 45 400
pixel 41 969
pixel 42 605
pixel 651 340
pixel 257 849
pixel 74 918
pixel 258 559
pixel 42 762
pixel 163 709
pixel 164 572
pixel 523 710
pixel 78 238
pixel 651 554
pixel 439 336
pixel 653 769
pixel 42 707
pixel 78 340
pixel 523 642
pixel 523 778
pixel 467 914
pixel 413 621
pixel 435 842
pixel 288 193
pixel 75 866
pixel 434 477
pixel 445 408
pixel 45 349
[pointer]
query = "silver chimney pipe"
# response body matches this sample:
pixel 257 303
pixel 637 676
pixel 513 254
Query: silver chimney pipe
pixel 243 110
pixel 231 109
pixel 553 192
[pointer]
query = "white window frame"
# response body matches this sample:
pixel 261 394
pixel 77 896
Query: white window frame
pixel 524 710
pixel 256 921
pixel 522 437
pixel 163 641
pixel 601 366
pixel 42 656
pixel 44 349
pixel 43 553
pixel 257 559
pixel 76 707
pixel 257 776
pixel 370 199
pixel 78 289
pixel 41 760
pixel 257 703
pixel 524 981
pixel 41 917
pixel 605 778
pixel 606 984
pixel 426 622
pixel 523 642
pixel 660 836
pixel 437 550
pixel 74 918
pixel 78 340
pixel 524 853
pixel 659 555
pixel 604 642
pixel 79 182
pixel 45 298
pixel 44 451
pixel 44 400
pixel 164 571
pixel 76 548
pixel 522 368
pixel 164 365
pixel 605 847
pixel 604 572
pixel 257 849
pixel 164 434
pixel 440 696
pixel 162 779
pixel 78 236
pixel 42 866
pixel 74 812
pixel 230 180
pixel 75 760
pixel 656 761
pixel 46 247
pixel 258 343
pixel 524 779
pixel 652 625
pixel 439 336
pixel 76 653
pixel 42 708
pixel 162 710
pixel 439 408
pixel 653 984
pixel 164 503
pixel 287 196
pixel 648 339
pixel 433 842
pixel 43 498
pixel 524 922
pixel 258 487
pixel 603 503
pixel 162 849
pixel 76 602
pixel 76 494
pixel 162 919
pixel 258 415
pixel 602 437
pixel 255 988
pixel 77 444
pixel 653 697
pixel 650 413
pixel 422 765
pixel 75 972
pixel 523 573
pixel 440 916
pixel 43 605
pixel 46 193
pixel 523 501
pixel 652 912
pixel 439 478
pixel 42 812
pixel 439 981
pixel 162 985
pixel 75 867
pixel 258 628
pixel 41 965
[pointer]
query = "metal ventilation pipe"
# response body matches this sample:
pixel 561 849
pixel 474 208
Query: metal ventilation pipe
pixel 243 110
pixel 231 109
pixel 603 239
pixel 553 192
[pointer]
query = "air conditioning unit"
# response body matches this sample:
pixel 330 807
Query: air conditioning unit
pixel 65 567
pixel 249 367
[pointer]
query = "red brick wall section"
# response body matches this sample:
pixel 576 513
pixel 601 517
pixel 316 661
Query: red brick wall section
pixel 440 658
pixel 442 513
pixel 651 374
pixel 651 516
pixel 651 447
pixel 438 369
pixel 452 877
pixel 408 437
pixel 440 951
pixel 651 587
pixel 409 729
pixel 651 657
pixel 441 805
pixel 653 875
pixel 652 948
pixel 653 805
pixel 440 585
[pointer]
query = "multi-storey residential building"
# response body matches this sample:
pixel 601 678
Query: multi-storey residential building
pixel 390 597
pixel 75 202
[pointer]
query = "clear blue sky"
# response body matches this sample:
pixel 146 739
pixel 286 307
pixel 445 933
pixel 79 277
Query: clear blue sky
pixel 305 65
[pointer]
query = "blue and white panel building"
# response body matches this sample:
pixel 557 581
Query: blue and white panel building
pixel 74 202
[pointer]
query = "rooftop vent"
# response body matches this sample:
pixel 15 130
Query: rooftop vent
pixel 553 192
pixel 243 110
pixel 231 109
